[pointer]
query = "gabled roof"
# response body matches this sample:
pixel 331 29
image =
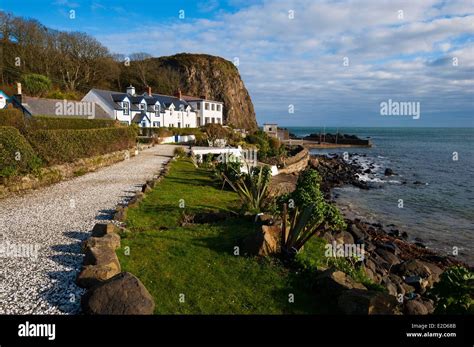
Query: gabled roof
pixel 110 97
pixel 41 106
pixel 138 118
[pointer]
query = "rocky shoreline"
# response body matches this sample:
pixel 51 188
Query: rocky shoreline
pixel 407 270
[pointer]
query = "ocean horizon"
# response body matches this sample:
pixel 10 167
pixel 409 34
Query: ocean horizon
pixel 430 197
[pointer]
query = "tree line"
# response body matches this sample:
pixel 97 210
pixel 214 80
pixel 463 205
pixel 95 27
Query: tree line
pixel 64 64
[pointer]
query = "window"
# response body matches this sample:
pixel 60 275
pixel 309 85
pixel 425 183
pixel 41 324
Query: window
pixel 187 125
pixel 207 120
pixel 206 106
pixel 213 107
pixel 219 108
pixel 198 121
pixel 213 120
pixel 141 106
pixel 126 108
pixel 156 124
pixel 179 124
pixel 198 106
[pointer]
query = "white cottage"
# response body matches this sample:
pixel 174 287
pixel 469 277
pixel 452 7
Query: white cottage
pixel 156 110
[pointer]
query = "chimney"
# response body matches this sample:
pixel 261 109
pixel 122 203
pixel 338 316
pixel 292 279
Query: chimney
pixel 18 96
pixel 179 94
pixel 204 96
pixel 131 90
pixel 149 91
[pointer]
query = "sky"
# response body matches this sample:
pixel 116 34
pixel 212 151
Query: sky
pixel 304 62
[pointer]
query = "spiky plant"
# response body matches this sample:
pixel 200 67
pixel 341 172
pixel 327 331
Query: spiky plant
pixel 252 188
pixel 311 215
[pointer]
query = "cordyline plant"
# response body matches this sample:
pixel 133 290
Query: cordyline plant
pixel 252 188
pixel 311 215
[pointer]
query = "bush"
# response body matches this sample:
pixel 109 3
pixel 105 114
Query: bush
pixel 454 293
pixel 60 95
pixel 16 155
pixel 179 152
pixel 51 123
pixel 66 145
pixel 36 85
pixel 12 118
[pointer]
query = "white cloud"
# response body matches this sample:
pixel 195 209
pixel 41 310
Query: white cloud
pixel 300 60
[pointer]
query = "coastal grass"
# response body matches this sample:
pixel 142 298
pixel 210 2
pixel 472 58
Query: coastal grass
pixel 197 263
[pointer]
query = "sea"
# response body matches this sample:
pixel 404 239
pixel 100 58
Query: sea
pixel 437 210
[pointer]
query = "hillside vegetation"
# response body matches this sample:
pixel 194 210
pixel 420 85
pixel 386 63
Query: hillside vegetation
pixel 67 65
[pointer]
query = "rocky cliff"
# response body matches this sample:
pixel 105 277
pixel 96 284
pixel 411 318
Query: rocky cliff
pixel 198 75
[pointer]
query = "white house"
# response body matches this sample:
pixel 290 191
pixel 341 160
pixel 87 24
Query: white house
pixel 208 111
pixel 154 110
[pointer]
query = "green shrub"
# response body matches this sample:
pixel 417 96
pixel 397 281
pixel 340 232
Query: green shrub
pixel 179 152
pixel 16 155
pixel 252 188
pixel 36 85
pixel 454 293
pixel 12 118
pixel 60 95
pixel 230 169
pixel 66 145
pixel 51 123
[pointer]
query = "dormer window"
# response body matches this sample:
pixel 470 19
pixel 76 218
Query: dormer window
pixel 142 106
pixel 126 108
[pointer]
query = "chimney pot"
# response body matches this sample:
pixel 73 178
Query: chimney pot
pixel 149 90
pixel 131 90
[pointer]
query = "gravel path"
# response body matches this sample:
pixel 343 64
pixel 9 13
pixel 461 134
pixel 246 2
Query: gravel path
pixel 41 233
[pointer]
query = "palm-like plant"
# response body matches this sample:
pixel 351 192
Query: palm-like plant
pixel 252 188
pixel 311 216
pixel 302 224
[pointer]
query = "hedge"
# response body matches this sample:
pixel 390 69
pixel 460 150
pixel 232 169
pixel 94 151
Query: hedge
pixel 66 145
pixel 16 154
pixel 51 123
pixel 12 118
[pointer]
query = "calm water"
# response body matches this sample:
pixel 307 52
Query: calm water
pixel 441 210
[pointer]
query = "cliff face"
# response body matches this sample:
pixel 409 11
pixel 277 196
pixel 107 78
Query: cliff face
pixel 217 79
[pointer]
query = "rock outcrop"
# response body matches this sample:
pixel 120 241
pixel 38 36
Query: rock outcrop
pixel 198 75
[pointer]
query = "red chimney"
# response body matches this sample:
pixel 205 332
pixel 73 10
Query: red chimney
pixel 149 90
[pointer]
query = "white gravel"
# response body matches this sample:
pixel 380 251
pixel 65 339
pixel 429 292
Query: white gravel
pixel 57 219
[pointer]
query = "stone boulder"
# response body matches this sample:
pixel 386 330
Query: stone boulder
pixel 92 275
pixel 416 307
pixel 265 242
pixel 100 229
pixel 417 268
pixel 390 258
pixel 103 256
pixel 109 240
pixel 364 302
pixel 120 295
pixel 333 282
pixel 343 237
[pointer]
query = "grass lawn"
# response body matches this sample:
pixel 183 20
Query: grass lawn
pixel 197 263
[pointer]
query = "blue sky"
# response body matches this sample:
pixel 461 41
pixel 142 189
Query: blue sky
pixel 334 62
